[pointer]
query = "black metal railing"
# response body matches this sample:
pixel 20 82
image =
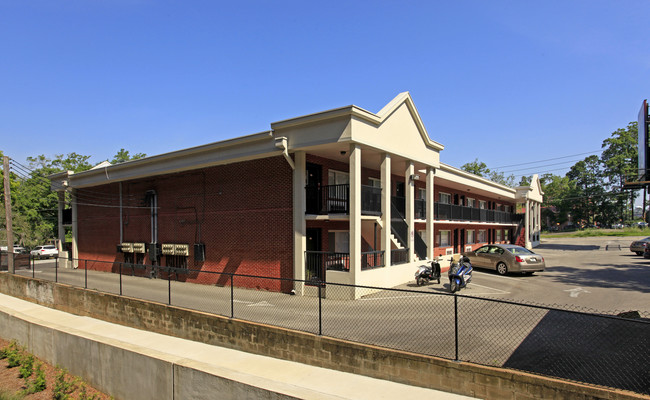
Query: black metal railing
pixel 335 199
pixel 317 262
pixel 399 227
pixel 610 348
pixel 372 260
pixel 399 256
pixel 420 209
pixel 453 212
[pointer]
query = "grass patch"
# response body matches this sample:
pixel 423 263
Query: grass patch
pixel 600 232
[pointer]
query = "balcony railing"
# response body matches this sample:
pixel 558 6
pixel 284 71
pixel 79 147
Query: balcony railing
pixel 372 259
pixel 335 199
pixel 317 262
pixel 399 256
pixel 452 212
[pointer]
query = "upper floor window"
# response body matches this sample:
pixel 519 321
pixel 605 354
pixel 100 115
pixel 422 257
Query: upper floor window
pixel 422 193
pixel 481 204
pixel 374 182
pixel 445 198
pixel 471 203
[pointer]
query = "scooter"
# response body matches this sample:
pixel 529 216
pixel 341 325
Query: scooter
pixel 460 274
pixel 426 273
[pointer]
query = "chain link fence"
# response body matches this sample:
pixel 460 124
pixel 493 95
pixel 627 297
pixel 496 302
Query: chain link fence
pixel 609 349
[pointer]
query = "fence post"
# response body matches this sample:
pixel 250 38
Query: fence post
pixel 56 270
pixel 85 274
pixel 169 287
pixel 456 324
pixel 320 308
pixel 120 267
pixel 232 296
pixel 32 260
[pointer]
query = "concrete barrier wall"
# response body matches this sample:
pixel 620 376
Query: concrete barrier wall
pixel 413 369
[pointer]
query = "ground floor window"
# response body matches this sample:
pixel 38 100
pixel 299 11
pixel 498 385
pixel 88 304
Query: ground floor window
pixel 505 235
pixel 481 236
pixel 470 237
pixel 498 233
pixel 444 238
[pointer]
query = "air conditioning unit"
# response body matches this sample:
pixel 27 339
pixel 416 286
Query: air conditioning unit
pixel 168 249
pixel 181 250
pixel 138 247
pixel 468 248
pixel 126 247
pixel 449 251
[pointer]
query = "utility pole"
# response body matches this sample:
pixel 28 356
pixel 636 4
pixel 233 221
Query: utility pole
pixel 10 232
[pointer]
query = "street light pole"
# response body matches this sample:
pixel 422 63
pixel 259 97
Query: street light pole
pixel 10 232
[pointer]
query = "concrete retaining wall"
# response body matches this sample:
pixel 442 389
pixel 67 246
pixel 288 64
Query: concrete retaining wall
pixel 397 366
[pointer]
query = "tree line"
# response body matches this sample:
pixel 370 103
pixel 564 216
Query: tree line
pixel 591 193
pixel 34 205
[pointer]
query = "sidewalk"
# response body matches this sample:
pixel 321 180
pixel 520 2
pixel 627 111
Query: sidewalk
pixel 168 367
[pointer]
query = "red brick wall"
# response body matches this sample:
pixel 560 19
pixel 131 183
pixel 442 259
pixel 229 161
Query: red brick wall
pixel 440 251
pixel 242 212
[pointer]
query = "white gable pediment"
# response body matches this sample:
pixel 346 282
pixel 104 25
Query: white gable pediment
pixel 398 129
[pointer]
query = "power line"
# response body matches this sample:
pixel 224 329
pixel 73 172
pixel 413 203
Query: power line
pixel 539 166
pixel 549 159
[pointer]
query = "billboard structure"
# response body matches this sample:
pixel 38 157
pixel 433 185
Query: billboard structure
pixel 644 151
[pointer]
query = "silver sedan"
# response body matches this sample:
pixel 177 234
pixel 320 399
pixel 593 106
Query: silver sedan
pixel 506 258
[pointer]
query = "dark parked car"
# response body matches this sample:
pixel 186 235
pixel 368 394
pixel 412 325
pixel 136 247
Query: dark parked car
pixel 639 246
pixel 506 258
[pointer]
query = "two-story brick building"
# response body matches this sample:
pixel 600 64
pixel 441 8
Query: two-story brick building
pixel 343 195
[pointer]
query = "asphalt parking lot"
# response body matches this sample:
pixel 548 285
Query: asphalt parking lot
pixel 598 273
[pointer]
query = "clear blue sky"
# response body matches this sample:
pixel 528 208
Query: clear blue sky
pixel 506 82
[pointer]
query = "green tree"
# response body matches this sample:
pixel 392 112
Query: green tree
pixel 479 168
pixel 620 164
pixel 123 156
pixel 34 204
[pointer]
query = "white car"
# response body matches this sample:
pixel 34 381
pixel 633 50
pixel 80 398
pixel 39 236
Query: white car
pixel 45 251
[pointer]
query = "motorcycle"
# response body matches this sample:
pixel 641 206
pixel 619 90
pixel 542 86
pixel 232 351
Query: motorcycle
pixel 426 273
pixel 460 274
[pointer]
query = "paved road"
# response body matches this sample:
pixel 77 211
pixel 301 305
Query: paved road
pixel 585 273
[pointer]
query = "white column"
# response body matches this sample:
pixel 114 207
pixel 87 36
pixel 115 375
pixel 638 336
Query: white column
pixel 75 231
pixel 299 222
pixel 527 224
pixel 410 206
pixel 385 207
pixel 430 239
pixel 355 213
pixel 61 231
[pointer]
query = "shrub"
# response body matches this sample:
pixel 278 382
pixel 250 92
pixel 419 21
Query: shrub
pixel 37 383
pixel 26 366
pixel 14 354
pixel 62 386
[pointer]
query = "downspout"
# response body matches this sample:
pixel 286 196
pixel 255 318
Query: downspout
pixel 281 143
pixel 153 201
pixel 121 217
